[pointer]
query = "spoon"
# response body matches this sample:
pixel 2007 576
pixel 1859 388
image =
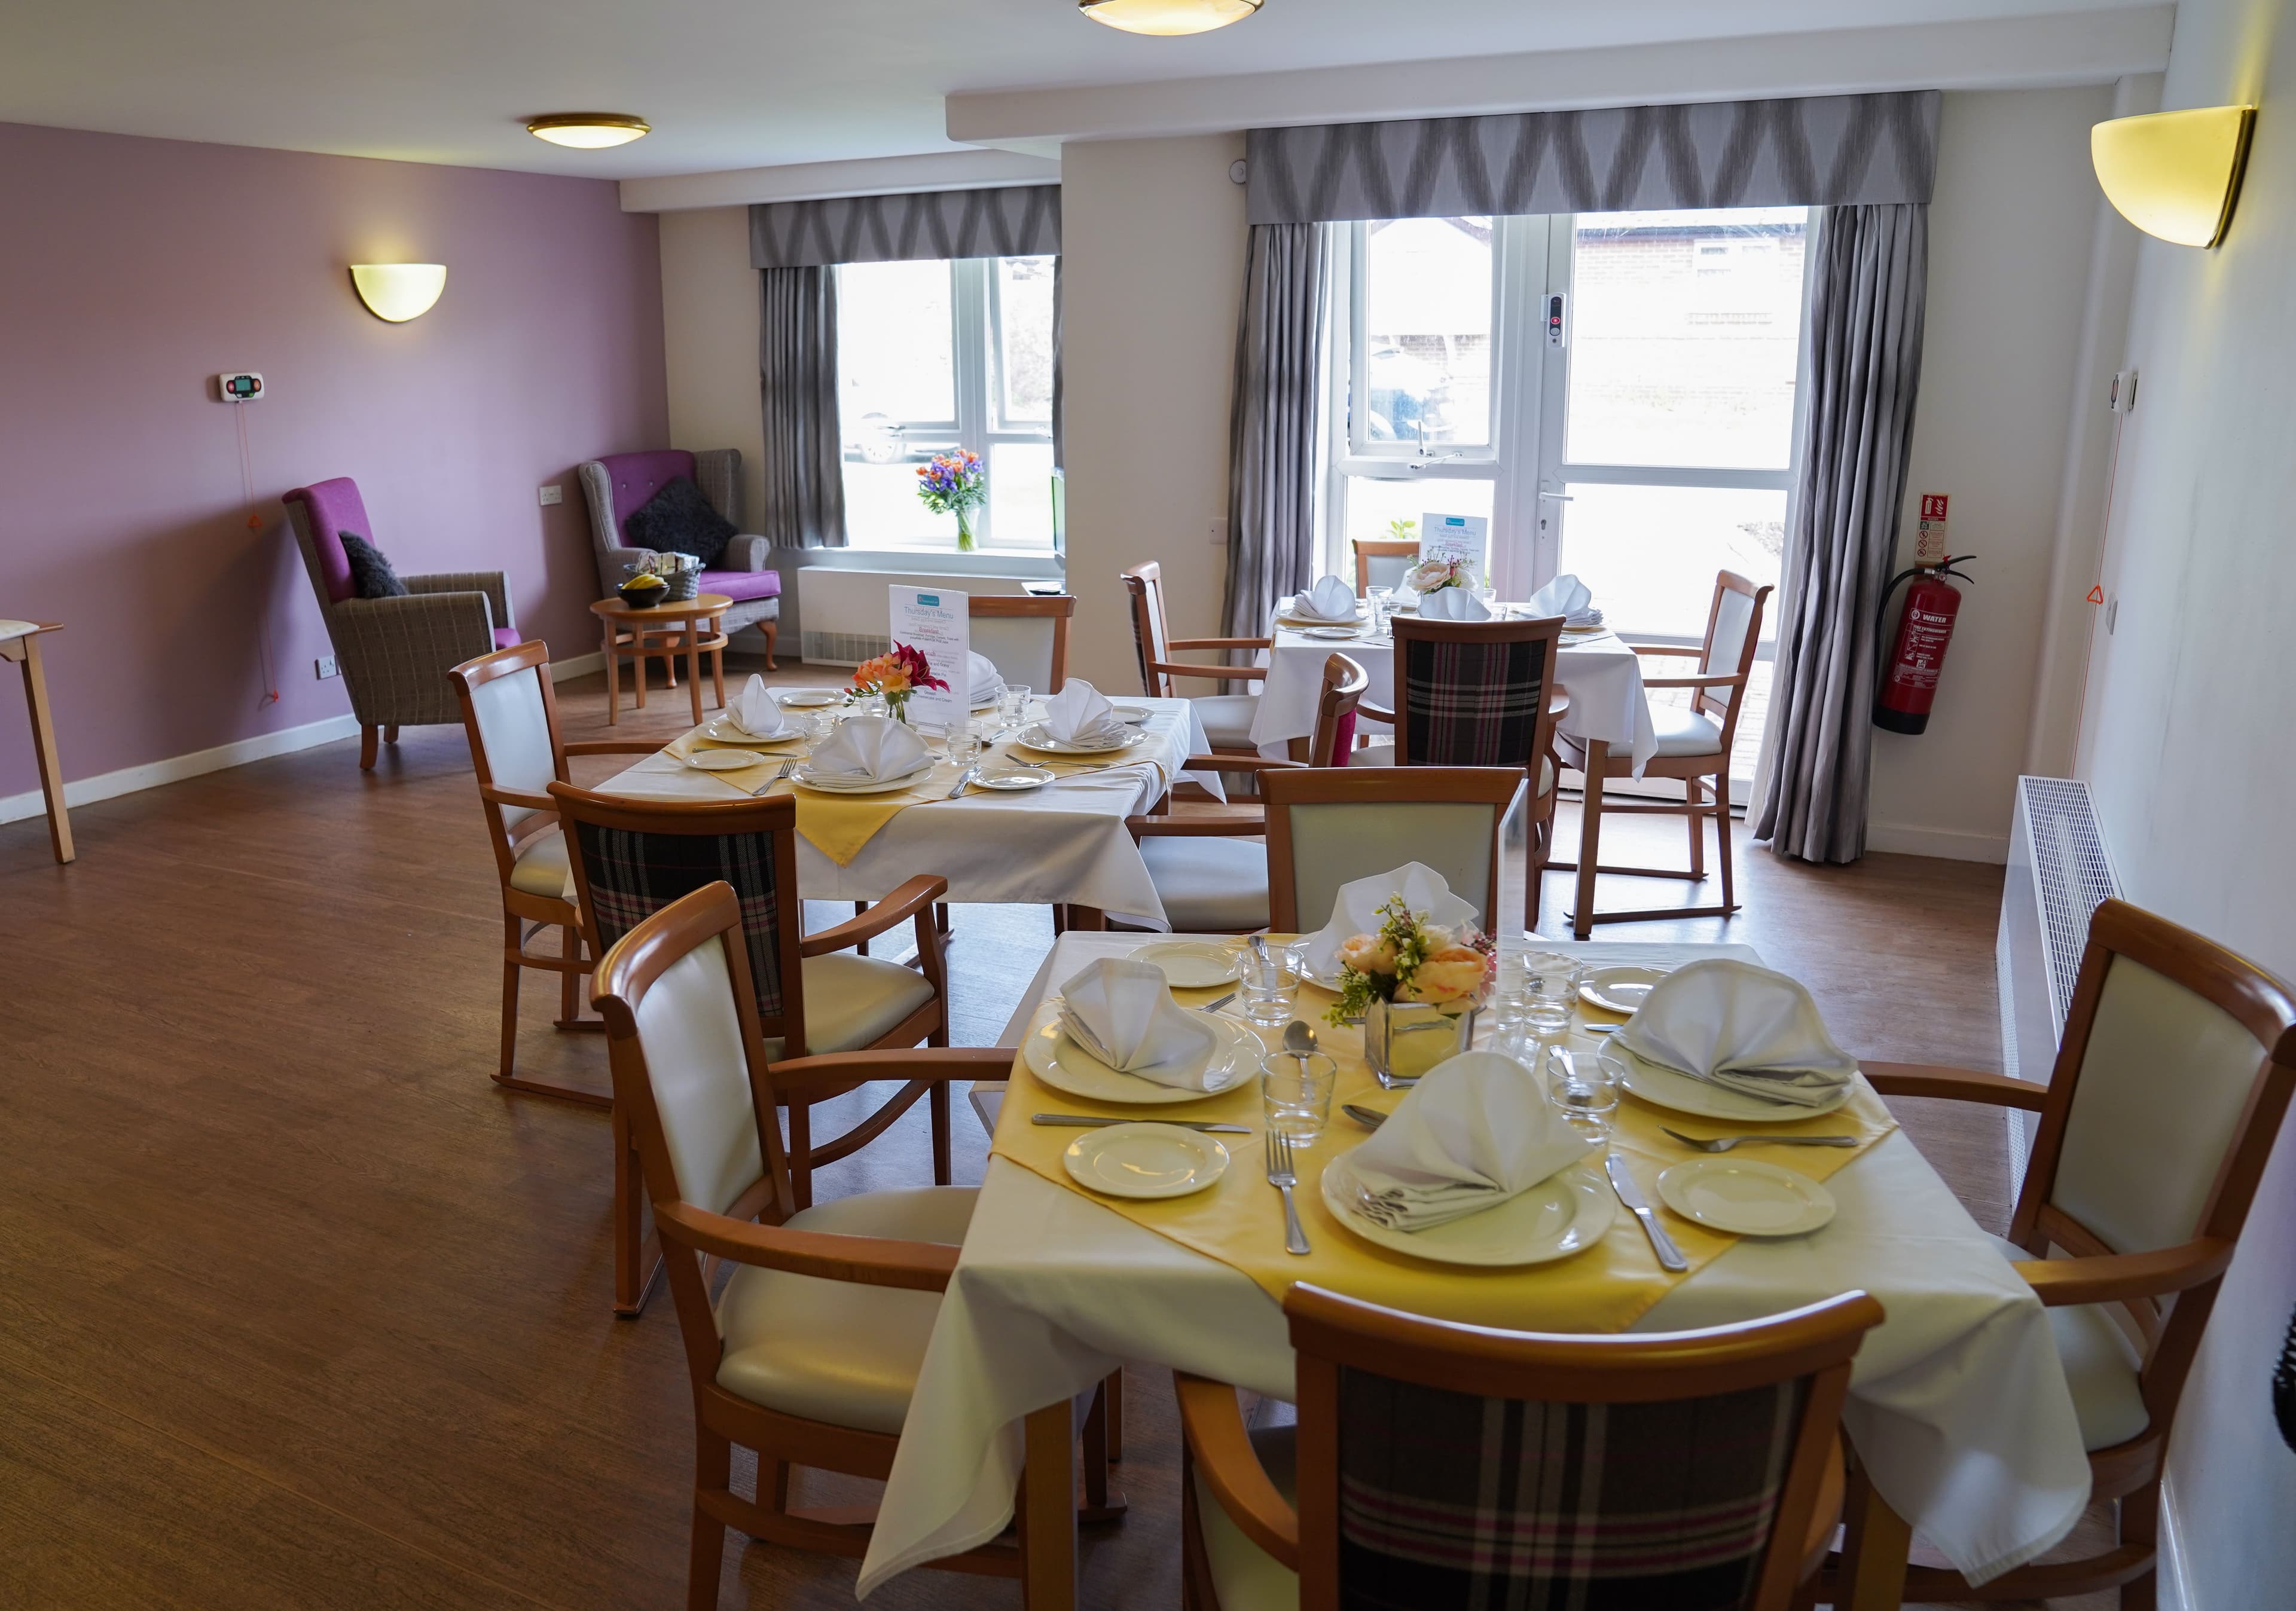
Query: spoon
pixel 1370 1119
pixel 1298 1040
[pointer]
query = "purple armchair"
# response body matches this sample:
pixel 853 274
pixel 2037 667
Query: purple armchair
pixel 395 653
pixel 618 485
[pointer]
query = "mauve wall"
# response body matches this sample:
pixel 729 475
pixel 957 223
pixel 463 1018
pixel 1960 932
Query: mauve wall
pixel 132 271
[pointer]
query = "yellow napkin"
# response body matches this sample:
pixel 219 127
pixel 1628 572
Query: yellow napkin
pixel 837 825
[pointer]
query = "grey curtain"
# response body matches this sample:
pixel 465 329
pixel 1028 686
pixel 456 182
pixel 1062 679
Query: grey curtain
pixel 1060 442
pixel 1274 423
pixel 1022 221
pixel 796 355
pixel 1865 371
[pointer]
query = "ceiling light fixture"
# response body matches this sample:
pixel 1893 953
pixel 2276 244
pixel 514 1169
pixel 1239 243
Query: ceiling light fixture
pixel 588 131
pixel 398 291
pixel 1167 16
pixel 2175 175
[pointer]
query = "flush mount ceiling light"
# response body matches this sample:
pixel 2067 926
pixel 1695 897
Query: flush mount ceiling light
pixel 2175 175
pixel 1167 16
pixel 398 291
pixel 588 131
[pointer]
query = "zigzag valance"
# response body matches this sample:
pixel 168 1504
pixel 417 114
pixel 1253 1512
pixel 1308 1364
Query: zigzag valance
pixel 1828 150
pixel 1020 222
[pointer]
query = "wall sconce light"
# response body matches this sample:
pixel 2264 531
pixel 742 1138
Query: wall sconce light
pixel 1167 16
pixel 398 291
pixel 2175 175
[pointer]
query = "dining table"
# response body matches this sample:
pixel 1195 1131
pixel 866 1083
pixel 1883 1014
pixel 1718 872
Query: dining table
pixel 1063 844
pixel 1959 1414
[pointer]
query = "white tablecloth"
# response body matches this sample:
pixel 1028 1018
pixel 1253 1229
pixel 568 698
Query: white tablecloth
pixel 1957 1404
pixel 1603 674
pixel 1065 842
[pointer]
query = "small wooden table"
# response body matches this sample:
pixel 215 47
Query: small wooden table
pixel 20 641
pixel 692 627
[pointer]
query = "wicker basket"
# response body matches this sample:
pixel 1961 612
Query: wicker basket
pixel 681 575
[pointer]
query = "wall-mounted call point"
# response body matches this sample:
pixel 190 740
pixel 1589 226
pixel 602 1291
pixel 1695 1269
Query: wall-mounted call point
pixel 242 386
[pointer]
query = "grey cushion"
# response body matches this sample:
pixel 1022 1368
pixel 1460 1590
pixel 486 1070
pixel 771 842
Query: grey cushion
pixel 1210 885
pixel 371 577
pixel 1227 718
pixel 838 1351
pixel 2100 1365
pixel 851 1001
pixel 1246 1577
pixel 1684 732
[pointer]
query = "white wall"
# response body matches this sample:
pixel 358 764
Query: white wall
pixel 1153 240
pixel 2010 228
pixel 2188 714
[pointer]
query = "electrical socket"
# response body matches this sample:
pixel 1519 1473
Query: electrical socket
pixel 324 666
pixel 552 493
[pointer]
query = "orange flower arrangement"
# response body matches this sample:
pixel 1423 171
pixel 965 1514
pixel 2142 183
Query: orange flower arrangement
pixel 896 676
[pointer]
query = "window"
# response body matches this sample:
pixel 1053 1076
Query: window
pixel 939 355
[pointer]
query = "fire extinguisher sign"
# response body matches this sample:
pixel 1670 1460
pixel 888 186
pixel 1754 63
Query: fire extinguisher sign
pixel 1928 537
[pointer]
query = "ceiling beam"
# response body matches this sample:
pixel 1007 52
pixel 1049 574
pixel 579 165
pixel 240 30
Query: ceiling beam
pixel 861 177
pixel 2077 47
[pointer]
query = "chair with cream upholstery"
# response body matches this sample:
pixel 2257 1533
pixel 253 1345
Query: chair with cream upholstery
pixel 1227 717
pixel 810 1356
pixel 1024 636
pixel 2170 1083
pixel 510 714
pixel 633 857
pixel 1330 826
pixel 1382 562
pixel 1480 693
pixel 1693 747
pixel 1442 1467
pixel 1207 861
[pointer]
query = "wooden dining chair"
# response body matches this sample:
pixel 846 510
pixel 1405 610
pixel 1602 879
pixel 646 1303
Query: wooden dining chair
pixel 2170 1087
pixel 20 641
pixel 1227 717
pixel 1328 826
pixel 1206 859
pixel 809 1354
pixel 632 857
pixel 1694 748
pixel 1480 693
pixel 1382 562
pixel 1025 636
pixel 1443 1467
pixel 510 714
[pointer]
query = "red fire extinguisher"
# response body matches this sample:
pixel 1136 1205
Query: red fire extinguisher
pixel 1902 700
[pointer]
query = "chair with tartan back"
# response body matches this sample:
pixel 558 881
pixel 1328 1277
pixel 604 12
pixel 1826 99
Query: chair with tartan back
pixel 1480 693
pixel 632 857
pixel 1445 1467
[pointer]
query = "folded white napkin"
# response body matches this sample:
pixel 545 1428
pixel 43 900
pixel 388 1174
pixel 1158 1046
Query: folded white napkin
pixel 1453 604
pixel 869 748
pixel 1123 1013
pixel 1080 714
pixel 1742 1027
pixel 988 681
pixel 1476 1131
pixel 757 712
pixel 1355 910
pixel 1565 596
pixel 1329 599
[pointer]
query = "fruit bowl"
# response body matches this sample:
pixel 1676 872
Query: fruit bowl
pixel 639 596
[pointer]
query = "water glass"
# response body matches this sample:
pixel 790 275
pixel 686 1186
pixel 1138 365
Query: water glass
pixel 1380 599
pixel 1015 705
pixel 1270 983
pixel 1296 1093
pixel 963 742
pixel 1550 983
pixel 1584 1089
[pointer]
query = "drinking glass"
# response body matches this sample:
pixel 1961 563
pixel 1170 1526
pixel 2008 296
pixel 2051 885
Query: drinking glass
pixel 1549 984
pixel 1270 983
pixel 1295 1090
pixel 962 744
pixel 1015 704
pixel 1584 1089
pixel 1379 598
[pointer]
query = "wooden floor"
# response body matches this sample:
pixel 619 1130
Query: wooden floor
pixel 298 1310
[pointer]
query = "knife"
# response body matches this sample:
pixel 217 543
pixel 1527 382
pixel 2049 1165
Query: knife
pixel 1086 1121
pixel 1631 1195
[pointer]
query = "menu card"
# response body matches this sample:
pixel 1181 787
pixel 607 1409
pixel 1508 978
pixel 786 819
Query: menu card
pixel 938 623
pixel 1456 537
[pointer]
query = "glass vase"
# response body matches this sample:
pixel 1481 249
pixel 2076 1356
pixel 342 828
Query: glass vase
pixel 964 532
pixel 1403 1040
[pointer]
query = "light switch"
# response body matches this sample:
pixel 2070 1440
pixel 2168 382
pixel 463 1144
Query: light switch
pixel 553 494
pixel 1219 533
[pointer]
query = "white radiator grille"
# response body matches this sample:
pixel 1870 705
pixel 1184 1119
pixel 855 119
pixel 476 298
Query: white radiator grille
pixel 2072 874
pixel 842 648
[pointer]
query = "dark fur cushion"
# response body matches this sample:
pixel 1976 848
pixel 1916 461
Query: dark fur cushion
pixel 679 518
pixel 371 577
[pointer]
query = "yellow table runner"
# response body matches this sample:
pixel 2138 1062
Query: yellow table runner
pixel 1240 1218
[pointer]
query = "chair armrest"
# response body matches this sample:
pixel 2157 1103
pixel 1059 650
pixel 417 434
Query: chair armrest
pixel 917 896
pixel 1217 673
pixel 2119 1277
pixel 1732 681
pixel 1239 761
pixel 807 1079
pixel 1211 1421
pixel 1248 823
pixel 1681 652
pixel 589 746
pixel 1221 644
pixel 496 795
pixel 1957 1084
pixel 612 563
pixel 1366 711
pixel 1558 703
pixel 749 552
pixel 491 583
pixel 867 1261
pixel 395 652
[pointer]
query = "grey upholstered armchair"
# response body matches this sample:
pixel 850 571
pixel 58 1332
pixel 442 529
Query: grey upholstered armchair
pixel 395 653
pixel 619 485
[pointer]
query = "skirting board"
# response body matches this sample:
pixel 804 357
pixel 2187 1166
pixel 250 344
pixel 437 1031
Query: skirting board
pixel 1953 845
pixel 152 774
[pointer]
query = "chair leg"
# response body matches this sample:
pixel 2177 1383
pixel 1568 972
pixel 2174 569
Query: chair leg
pixel 1114 1388
pixel 391 733
pixel 570 983
pixel 43 749
pixel 713 1472
pixel 858 908
pixel 510 993
pixel 635 1259
pixel 1696 815
pixel 943 1170
pixel 2140 1523
pixel 772 631
pixel 1590 836
pixel 367 736
pixel 800 1154
pixel 1722 836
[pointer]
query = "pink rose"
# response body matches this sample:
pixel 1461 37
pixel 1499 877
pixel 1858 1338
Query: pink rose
pixel 1367 953
pixel 1455 973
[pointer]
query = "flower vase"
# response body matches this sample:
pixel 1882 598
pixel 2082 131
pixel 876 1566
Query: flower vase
pixel 964 532
pixel 1403 1040
pixel 897 706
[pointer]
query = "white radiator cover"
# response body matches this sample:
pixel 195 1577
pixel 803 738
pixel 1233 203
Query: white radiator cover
pixel 844 615
pixel 2060 871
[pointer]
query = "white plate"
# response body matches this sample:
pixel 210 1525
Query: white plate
pixel 1065 1066
pixel 1330 635
pixel 1190 964
pixel 1745 1198
pixel 1145 1160
pixel 809 699
pixel 888 785
pixel 1018 779
pixel 1563 1214
pixel 1664 1088
pixel 1619 989
pixel 1292 618
pixel 1034 737
pixel 1134 714
pixel 726 760
pixel 723 729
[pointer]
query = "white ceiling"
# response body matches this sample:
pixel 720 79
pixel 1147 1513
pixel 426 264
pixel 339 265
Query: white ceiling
pixel 739 83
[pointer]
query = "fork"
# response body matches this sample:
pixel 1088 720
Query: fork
pixel 788 767
pixel 1281 1175
pixel 1723 1143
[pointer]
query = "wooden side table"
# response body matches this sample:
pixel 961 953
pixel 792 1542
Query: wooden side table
pixel 20 641
pixel 692 627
